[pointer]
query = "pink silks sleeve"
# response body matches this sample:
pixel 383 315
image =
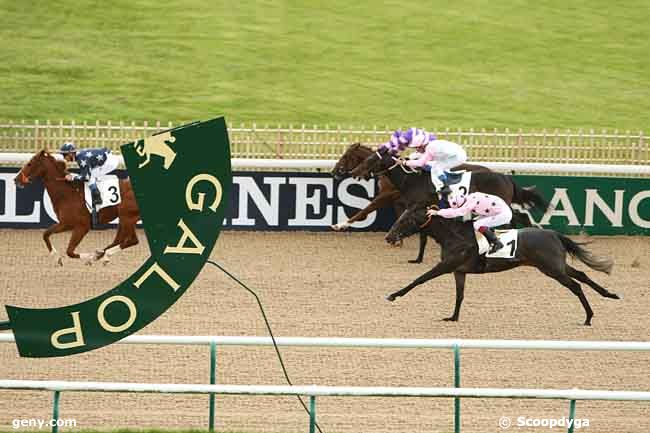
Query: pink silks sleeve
pixel 421 161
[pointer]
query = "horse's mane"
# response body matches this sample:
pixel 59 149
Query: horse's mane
pixel 59 165
pixel 358 145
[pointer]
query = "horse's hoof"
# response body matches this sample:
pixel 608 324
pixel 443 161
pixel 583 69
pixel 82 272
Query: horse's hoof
pixel 416 261
pixel 59 262
pixel 390 298
pixel 450 319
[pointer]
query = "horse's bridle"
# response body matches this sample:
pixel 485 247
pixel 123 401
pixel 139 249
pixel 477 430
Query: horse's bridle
pixel 23 179
pixel 385 170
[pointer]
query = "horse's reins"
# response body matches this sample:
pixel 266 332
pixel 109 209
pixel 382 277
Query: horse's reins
pixel 427 222
pixel 429 217
pixel 386 170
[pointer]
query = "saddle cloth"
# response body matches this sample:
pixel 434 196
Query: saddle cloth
pixel 458 182
pixel 109 188
pixel 507 237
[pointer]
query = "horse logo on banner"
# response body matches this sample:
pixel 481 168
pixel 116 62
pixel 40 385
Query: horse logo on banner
pixel 156 145
pixel 182 205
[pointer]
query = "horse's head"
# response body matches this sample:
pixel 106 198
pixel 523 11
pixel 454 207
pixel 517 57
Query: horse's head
pixel 42 164
pixel 412 220
pixel 374 164
pixel 351 158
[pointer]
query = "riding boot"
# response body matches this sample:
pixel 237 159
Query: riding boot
pixel 495 243
pixel 445 190
pixel 95 194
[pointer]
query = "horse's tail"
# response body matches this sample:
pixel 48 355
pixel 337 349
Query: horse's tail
pixel 528 197
pixel 575 250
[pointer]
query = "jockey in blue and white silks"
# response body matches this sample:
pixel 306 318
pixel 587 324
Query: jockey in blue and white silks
pixel 440 155
pixel 93 164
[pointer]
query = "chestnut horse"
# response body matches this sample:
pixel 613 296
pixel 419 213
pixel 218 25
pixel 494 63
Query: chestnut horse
pixel 70 208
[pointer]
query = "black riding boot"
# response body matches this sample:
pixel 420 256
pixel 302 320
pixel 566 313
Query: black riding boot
pixel 445 190
pixel 495 243
pixel 96 196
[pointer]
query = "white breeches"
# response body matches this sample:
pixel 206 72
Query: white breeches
pixel 112 162
pixel 494 220
pixel 438 167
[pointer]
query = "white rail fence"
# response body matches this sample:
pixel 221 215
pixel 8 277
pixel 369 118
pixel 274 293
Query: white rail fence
pixel 328 164
pixel 313 391
pixel 589 146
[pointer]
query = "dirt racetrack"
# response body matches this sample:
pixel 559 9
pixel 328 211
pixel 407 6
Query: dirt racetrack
pixel 332 285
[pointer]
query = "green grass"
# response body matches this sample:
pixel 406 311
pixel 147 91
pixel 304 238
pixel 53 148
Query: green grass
pixel 468 63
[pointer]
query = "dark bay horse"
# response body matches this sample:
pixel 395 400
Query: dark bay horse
pixel 417 186
pixel 544 249
pixel 387 195
pixel 70 208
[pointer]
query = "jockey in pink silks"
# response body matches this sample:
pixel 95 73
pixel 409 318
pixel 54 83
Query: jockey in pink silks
pixel 492 211
pixel 439 155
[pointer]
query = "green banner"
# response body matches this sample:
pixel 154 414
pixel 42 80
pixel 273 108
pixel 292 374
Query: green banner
pixel 182 179
pixel 593 205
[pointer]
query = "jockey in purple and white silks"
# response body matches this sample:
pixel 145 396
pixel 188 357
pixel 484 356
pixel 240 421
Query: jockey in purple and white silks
pixel 93 164
pixel 440 155
pixel 491 211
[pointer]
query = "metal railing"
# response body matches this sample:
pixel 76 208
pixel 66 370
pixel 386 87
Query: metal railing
pixel 313 391
pixel 454 344
pixel 588 146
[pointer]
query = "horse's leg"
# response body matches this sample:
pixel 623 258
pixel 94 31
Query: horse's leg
pixel 582 277
pixel 101 254
pixel 460 295
pixel 126 238
pixel 78 234
pixel 423 244
pixel 444 267
pixel 382 200
pixel 56 228
pixel 576 289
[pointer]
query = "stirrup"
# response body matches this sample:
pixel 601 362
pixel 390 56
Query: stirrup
pixel 94 218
